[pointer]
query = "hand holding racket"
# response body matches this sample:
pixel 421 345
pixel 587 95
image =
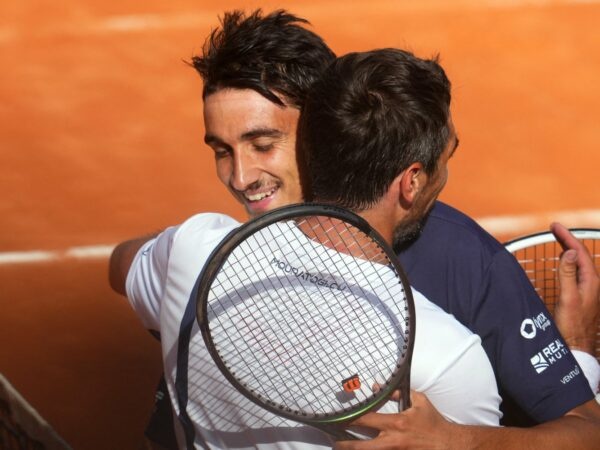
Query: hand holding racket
pixel 579 306
pixel 307 312
pixel 576 313
pixel 420 427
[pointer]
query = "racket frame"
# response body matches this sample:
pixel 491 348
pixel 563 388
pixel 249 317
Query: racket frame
pixel 332 424
pixel 546 237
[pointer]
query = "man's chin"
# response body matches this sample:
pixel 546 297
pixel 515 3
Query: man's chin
pixel 407 233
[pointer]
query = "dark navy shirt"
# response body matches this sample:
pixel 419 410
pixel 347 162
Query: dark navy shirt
pixel 463 269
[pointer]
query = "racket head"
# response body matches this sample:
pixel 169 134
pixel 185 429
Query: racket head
pixel 303 320
pixel 539 256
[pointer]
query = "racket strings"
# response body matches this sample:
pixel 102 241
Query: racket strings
pixel 296 347
pixel 244 369
pixel 324 255
pixel 233 355
pixel 342 237
pixel 540 263
pixel 268 303
pixel 290 352
pixel 360 246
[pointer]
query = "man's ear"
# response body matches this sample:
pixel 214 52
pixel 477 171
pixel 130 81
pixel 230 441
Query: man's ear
pixel 410 183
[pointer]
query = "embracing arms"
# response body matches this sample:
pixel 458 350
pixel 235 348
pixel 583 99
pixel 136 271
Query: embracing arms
pixel 422 427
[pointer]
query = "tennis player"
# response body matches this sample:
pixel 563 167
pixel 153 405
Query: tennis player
pixel 256 71
pixel 358 125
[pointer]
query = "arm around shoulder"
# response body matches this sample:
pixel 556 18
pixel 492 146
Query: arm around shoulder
pixel 421 426
pixel 579 428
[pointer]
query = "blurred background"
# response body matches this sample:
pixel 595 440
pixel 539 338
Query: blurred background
pixel 101 139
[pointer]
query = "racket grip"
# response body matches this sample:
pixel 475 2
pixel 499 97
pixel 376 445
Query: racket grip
pixel 404 402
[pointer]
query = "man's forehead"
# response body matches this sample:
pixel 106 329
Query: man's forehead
pixel 246 95
pixel 245 112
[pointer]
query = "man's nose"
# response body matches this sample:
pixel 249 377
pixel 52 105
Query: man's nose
pixel 245 171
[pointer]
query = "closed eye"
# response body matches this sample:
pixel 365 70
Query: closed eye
pixel 263 148
pixel 220 148
pixel 221 153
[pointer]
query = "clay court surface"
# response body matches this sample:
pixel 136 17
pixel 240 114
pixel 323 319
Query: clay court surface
pixel 101 139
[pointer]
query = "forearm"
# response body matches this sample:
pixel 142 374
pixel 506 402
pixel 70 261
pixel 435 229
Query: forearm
pixel 422 427
pixel 575 431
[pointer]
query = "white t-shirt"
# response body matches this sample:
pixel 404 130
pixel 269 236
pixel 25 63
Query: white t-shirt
pixel 449 364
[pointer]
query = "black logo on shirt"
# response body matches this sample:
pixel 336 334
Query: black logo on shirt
pixel 317 279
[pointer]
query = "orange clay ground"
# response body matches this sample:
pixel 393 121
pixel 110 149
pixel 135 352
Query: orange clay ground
pixel 101 140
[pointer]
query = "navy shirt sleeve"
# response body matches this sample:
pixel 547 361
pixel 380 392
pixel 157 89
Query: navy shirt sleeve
pixel 464 270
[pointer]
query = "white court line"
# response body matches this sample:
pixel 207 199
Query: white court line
pixel 89 252
pixel 496 225
pixel 26 257
pixel 73 253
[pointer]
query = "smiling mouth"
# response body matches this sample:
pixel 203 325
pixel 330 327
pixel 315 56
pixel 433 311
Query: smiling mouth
pixel 260 195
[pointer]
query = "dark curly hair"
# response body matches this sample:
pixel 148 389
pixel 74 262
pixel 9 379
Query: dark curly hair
pixel 366 120
pixel 272 55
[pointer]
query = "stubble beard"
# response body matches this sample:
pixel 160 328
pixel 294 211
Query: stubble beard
pixel 408 230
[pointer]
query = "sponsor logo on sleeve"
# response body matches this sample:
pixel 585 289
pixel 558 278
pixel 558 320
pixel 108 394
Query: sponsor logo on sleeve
pixel 548 356
pixel 539 363
pixel 530 326
pixel 528 329
pixel 572 374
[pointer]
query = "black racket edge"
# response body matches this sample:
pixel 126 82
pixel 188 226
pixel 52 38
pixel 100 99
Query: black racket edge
pixel 216 260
